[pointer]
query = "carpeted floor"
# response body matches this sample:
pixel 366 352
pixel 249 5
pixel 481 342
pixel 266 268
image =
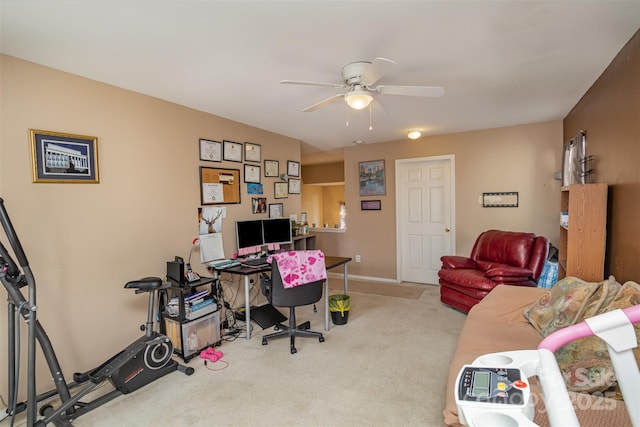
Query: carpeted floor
pixel 399 290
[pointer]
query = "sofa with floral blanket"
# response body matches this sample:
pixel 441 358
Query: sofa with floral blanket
pixel 518 318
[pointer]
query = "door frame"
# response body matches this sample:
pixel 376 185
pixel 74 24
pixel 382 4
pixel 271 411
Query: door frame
pixel 451 158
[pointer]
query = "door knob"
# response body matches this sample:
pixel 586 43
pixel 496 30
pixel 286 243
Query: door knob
pixel 447 229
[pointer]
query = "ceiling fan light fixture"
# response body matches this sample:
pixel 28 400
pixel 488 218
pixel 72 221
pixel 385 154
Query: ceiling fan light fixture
pixel 358 99
pixel 414 134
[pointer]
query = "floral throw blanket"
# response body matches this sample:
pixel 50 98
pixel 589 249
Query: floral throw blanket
pixel 300 267
pixel 584 363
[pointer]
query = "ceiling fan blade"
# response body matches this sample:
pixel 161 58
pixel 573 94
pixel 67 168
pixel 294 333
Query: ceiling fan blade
pixel 378 68
pixel 298 82
pixel 323 103
pixel 430 91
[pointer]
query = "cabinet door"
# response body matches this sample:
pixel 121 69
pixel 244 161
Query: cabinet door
pixel 583 242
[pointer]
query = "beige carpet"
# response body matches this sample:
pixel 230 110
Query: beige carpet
pixel 386 367
pixel 399 290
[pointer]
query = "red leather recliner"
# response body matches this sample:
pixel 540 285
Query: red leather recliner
pixel 497 258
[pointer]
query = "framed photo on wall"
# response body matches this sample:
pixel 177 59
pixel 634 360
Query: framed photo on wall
pixel 500 200
pixel 370 205
pixel 64 157
pixel 258 205
pixel 371 178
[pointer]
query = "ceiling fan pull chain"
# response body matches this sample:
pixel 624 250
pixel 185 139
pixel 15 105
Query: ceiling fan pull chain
pixel 347 110
pixel 370 119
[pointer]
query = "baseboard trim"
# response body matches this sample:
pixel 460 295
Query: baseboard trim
pixel 367 278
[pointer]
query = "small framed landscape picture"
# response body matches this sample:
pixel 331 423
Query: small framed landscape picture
pixel 64 157
pixel 371 177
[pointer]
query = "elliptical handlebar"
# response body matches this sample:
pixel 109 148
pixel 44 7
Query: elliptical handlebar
pixel 12 268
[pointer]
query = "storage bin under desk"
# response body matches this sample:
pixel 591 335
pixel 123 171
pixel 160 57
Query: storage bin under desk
pixel 189 338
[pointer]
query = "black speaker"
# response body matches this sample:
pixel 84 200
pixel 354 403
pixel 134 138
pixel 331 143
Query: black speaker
pixel 175 271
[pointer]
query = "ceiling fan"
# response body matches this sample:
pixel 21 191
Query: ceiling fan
pixel 360 79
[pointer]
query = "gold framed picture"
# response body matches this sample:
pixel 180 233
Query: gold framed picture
pixel 58 157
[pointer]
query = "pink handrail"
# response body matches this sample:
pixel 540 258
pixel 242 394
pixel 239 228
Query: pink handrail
pixel 581 330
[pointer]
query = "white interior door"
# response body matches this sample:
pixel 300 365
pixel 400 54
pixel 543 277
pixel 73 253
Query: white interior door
pixel 425 216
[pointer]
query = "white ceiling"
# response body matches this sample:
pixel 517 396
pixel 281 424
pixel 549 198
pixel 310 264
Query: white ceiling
pixel 501 62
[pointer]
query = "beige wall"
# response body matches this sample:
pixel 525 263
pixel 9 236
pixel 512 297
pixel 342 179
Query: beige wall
pixel 519 158
pixel 85 241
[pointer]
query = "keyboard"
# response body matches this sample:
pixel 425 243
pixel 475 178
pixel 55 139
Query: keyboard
pixel 223 263
pixel 255 262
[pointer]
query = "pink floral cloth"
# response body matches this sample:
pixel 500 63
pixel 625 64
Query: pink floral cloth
pixel 300 267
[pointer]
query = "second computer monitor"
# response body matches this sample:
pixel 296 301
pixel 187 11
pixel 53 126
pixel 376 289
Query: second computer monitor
pixel 277 230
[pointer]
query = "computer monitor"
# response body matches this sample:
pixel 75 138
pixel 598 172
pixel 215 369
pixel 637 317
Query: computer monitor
pixel 249 233
pixel 277 230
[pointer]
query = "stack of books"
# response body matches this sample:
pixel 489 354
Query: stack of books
pixel 199 304
pixel 196 305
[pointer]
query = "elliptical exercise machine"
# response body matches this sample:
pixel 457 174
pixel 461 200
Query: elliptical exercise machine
pixel 141 362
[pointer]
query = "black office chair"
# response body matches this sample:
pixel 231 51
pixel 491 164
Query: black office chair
pixel 280 296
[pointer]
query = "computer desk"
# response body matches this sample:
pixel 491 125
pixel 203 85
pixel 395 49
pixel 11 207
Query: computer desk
pixel 330 262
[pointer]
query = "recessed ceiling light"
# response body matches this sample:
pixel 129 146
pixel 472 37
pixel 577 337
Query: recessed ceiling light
pixel 358 142
pixel 414 134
